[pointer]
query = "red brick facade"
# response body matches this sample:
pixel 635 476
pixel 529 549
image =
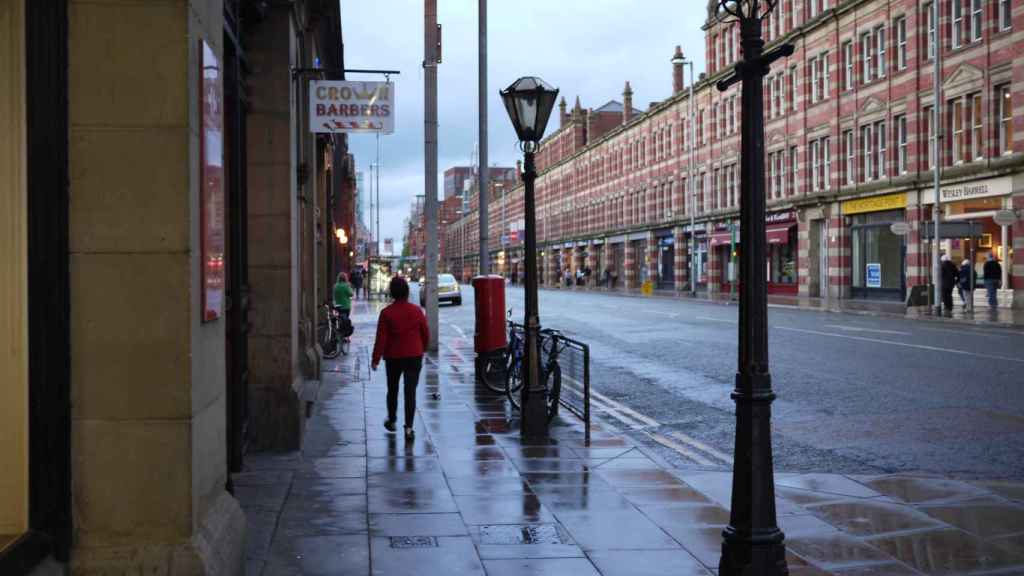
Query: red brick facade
pixel 848 122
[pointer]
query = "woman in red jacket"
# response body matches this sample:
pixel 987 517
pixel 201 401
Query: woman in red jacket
pixel 402 336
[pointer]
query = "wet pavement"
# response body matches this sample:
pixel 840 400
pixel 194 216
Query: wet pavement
pixel 468 496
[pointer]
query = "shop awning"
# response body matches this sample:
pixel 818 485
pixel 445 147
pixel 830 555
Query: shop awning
pixel 778 234
pixel 723 238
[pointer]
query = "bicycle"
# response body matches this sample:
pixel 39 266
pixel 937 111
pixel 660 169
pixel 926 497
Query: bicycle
pixel 335 332
pixel 552 344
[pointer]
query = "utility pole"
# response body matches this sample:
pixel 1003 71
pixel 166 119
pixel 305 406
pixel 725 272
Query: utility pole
pixel 482 158
pixel 431 37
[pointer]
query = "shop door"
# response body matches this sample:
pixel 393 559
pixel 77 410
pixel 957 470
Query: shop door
pixel 617 265
pixel 666 266
pixel 237 303
pixel 878 263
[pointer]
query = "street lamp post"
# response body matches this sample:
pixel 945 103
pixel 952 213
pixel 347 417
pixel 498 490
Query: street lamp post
pixel 529 102
pixel 690 182
pixel 753 542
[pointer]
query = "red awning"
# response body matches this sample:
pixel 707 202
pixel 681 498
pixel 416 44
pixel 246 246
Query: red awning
pixel 778 234
pixel 722 238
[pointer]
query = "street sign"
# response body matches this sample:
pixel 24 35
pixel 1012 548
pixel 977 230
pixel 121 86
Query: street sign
pixel 504 239
pixel 359 107
pixel 900 228
pixel 1005 217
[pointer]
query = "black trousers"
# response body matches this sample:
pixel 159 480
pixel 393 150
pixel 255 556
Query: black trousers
pixel 397 368
pixel 947 297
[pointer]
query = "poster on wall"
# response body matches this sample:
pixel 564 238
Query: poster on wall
pixel 874 275
pixel 211 187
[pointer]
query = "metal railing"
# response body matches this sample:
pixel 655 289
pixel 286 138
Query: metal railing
pixel 574 364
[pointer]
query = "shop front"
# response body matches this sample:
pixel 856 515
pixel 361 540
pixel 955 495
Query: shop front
pixel 878 254
pixel 615 263
pixel 781 252
pixel 666 255
pixel 977 203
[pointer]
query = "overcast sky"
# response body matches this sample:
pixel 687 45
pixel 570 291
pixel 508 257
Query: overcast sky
pixel 586 48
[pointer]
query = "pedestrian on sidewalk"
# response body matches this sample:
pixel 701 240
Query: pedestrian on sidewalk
pixel 402 337
pixel 966 287
pixel 343 294
pixel 357 280
pixel 993 273
pixel 948 279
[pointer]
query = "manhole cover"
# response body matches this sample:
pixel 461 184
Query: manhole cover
pixel 520 534
pixel 413 542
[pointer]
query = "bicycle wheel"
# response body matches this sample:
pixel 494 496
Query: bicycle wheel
pixel 330 344
pixel 513 380
pixel 492 371
pixel 553 381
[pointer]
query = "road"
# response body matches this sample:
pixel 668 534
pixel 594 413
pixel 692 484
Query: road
pixel 856 394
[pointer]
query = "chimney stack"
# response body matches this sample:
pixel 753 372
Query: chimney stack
pixel 563 116
pixel 677 70
pixel 627 103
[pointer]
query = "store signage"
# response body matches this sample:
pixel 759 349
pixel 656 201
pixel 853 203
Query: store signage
pixel 357 107
pixel 982 189
pixel 874 275
pixel 780 217
pixel 875 204
pixel 900 228
pixel 1005 218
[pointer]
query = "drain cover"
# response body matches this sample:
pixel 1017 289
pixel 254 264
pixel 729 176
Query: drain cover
pixel 520 534
pixel 413 542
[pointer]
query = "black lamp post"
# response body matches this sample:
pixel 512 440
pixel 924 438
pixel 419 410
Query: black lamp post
pixel 752 543
pixel 529 102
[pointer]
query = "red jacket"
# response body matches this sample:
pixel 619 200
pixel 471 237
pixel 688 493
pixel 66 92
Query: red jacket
pixel 402 332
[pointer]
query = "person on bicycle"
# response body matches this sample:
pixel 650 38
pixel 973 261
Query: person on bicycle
pixel 402 337
pixel 343 293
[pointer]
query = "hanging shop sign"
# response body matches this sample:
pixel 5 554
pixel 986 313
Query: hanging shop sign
pixel 1005 218
pixel 899 228
pixel 1002 186
pixel 875 204
pixel 354 107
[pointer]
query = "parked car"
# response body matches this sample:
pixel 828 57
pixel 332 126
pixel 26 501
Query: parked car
pixel 448 290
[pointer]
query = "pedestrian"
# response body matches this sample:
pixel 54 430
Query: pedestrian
pixel 607 278
pixel 402 337
pixel 615 277
pixel 343 293
pixel 993 277
pixel 357 280
pixel 948 279
pixel 966 275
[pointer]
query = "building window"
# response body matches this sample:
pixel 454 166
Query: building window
pixel 847 65
pixel 782 173
pixel 849 168
pixel 815 165
pixel 819 77
pixel 732 115
pixel 880 50
pixel 1005 110
pixel 730 41
pixel 977 18
pixel 881 148
pixel 901 144
pixel 867 58
pixel 956 111
pixel 928 119
pixel 1005 14
pixel 794 164
pixel 773 175
pixel 793 87
pixel 867 141
pixel 977 137
pixel 826 148
pixel 957 32
pixel 901 43
pixel 929 10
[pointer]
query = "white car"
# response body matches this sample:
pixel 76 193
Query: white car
pixel 447 290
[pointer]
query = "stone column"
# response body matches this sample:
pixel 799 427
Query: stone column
pixel 713 273
pixel 839 255
pixel 803 253
pixel 681 262
pixel 148 374
pixel 1016 263
pixel 276 353
pixel 590 262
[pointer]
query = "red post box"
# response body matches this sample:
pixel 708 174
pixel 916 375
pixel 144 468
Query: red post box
pixel 489 338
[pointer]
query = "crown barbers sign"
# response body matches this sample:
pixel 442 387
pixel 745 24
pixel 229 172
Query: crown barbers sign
pixel 359 107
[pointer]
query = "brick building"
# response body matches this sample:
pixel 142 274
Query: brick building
pixel 848 123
